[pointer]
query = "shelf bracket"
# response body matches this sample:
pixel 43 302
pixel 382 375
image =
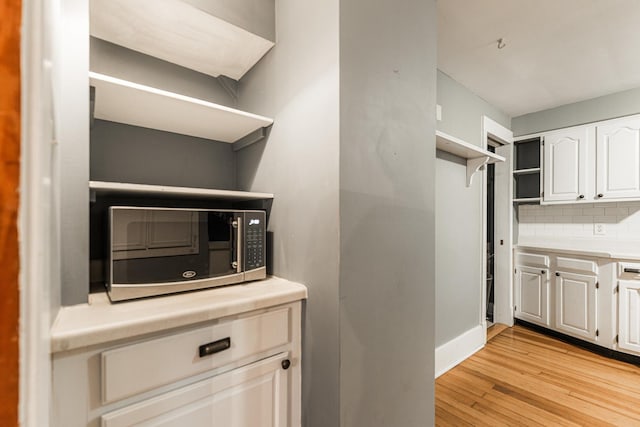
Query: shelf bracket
pixel 473 166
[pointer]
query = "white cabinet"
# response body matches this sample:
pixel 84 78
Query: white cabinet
pixel 618 159
pixel 252 396
pixel 565 165
pixel 598 162
pixel 576 302
pixel 532 294
pixel 239 371
pixel 629 316
pixel 629 307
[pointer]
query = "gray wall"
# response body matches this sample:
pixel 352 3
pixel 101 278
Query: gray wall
pixel 350 160
pixel 387 184
pixel 459 214
pixel 592 110
pixel 462 111
pixel 297 84
pixel 124 153
pixel 459 249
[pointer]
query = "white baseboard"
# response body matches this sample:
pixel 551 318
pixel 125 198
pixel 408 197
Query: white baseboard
pixel 458 349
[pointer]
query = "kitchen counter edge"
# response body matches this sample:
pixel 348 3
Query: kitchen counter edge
pixel 101 321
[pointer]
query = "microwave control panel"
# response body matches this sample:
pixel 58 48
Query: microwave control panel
pixel 255 242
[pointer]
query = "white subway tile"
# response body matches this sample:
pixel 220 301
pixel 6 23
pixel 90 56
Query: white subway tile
pixel 582 219
pixel 605 219
pixel 616 211
pixel 593 211
pixel 572 211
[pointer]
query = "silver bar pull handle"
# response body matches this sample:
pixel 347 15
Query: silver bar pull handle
pixel 239 245
pixel 632 270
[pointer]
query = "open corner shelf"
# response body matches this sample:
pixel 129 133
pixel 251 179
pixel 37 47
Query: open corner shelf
pixel 476 156
pixel 104 188
pixel 134 104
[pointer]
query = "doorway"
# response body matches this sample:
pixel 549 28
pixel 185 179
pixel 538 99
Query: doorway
pixel 497 292
pixel 490 215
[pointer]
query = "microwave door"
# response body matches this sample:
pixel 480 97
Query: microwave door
pixel 223 243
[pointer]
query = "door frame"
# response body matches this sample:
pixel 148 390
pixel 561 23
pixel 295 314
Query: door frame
pixel 503 279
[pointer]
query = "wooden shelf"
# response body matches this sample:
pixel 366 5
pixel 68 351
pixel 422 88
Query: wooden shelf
pixel 126 102
pixel 476 156
pixel 208 43
pixel 102 187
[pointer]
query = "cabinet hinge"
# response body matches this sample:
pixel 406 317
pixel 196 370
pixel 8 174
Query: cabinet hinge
pixel 597 332
pixel 597 285
pixel 542 194
pixel 515 308
pixel 515 270
pixel 615 289
pixel 616 339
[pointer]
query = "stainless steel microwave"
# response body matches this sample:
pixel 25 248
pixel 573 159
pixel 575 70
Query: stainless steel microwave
pixel 155 251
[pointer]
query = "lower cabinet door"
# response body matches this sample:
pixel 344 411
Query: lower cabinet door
pixel 576 302
pixel 629 316
pixel 255 395
pixel 532 295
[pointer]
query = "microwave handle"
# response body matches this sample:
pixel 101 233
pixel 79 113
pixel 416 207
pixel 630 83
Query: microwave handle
pixel 237 224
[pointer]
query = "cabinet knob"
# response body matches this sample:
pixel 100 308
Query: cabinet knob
pixel 600 195
pixel 557 274
pixel 285 364
pixel 542 271
pixel 581 196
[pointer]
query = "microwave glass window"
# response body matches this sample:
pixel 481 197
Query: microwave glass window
pixel 221 243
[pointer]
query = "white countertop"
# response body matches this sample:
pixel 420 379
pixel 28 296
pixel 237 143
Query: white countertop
pixel 600 248
pixel 101 321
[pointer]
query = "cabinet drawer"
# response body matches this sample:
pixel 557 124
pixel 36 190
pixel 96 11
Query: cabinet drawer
pixel 577 264
pixel 629 270
pixel 144 366
pixel 533 260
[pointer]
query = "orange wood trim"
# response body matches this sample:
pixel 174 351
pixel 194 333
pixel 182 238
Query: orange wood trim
pixel 11 14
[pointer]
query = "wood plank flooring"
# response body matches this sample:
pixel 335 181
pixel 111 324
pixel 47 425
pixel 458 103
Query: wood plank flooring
pixel 525 378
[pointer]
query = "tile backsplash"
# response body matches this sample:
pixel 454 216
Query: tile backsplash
pixel 619 221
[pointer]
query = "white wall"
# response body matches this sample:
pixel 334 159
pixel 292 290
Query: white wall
pixel 622 220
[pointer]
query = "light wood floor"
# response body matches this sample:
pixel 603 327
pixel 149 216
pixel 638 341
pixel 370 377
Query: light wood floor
pixel 522 377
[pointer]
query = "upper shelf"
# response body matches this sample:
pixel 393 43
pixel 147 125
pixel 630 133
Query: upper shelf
pixel 476 156
pixel 103 187
pixel 126 102
pixel 210 38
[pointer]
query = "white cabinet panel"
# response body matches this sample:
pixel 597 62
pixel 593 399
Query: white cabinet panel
pixel 618 159
pixel 532 295
pixel 565 165
pixel 576 302
pixel 253 396
pixel 629 315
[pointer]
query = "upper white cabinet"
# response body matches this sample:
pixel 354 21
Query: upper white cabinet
pixel 213 37
pixel 565 165
pixel 618 159
pixel 593 163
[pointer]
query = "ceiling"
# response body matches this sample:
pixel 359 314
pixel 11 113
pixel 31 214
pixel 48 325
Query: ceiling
pixel 557 51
